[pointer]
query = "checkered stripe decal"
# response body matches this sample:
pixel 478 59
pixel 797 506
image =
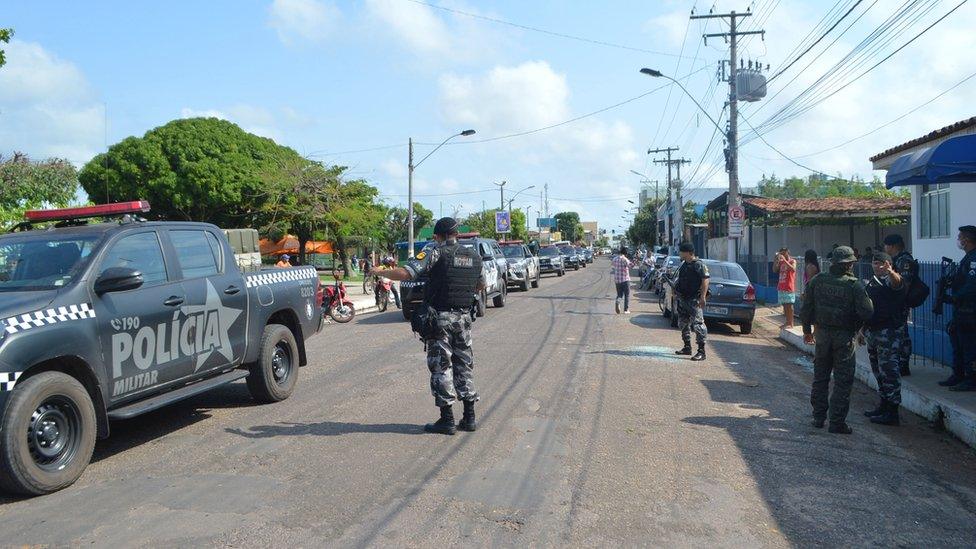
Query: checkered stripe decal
pixel 8 380
pixel 283 275
pixel 37 319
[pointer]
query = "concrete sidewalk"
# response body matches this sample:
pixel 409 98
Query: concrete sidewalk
pixel 920 392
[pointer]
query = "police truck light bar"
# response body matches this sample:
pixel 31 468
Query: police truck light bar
pixel 103 210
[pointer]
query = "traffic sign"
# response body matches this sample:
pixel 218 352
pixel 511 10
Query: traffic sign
pixel 550 222
pixel 503 222
pixel 737 218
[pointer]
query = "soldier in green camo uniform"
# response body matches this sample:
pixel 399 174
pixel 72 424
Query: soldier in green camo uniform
pixel 885 334
pixel 837 304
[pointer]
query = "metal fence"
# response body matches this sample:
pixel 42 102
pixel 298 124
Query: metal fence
pixel 930 342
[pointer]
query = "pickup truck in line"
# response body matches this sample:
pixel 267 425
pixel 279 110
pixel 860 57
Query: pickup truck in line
pixel 110 320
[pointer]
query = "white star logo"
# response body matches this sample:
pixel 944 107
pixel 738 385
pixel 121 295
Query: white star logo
pixel 225 318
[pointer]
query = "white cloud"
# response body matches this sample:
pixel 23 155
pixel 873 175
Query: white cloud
pixel 47 107
pixel 416 24
pixel 303 21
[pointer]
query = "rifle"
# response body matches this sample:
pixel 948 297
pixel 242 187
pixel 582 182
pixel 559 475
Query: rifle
pixel 946 273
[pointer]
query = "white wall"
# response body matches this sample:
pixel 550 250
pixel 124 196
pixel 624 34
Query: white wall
pixel 809 237
pixel 962 211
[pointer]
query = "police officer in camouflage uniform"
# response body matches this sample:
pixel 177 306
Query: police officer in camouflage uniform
pixel 454 277
pixel 690 290
pixel 962 328
pixel 885 334
pixel 837 304
pixel 907 268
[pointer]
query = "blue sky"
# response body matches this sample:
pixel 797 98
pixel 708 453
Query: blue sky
pixel 327 77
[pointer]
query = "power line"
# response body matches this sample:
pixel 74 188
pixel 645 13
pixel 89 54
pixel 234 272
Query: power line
pixel 781 153
pixel 539 30
pixel 811 46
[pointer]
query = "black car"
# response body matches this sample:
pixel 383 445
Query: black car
pixel 551 261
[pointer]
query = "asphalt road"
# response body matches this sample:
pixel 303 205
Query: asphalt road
pixel 591 434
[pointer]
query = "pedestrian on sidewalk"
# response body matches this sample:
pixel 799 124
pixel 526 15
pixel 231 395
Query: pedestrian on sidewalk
pixel 620 267
pixel 454 277
pixel 811 266
pixel 885 334
pixel 691 290
pixel 785 265
pixel 962 328
pixel 837 305
pixel 907 267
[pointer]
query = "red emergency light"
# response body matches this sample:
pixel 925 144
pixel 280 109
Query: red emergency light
pixel 102 210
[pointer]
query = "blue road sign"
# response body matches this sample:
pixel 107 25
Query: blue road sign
pixel 503 222
pixel 550 222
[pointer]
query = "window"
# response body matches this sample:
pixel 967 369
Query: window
pixel 40 262
pixel 140 252
pixel 197 254
pixel 933 211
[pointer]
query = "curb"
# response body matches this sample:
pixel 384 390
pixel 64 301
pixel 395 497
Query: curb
pixel 927 403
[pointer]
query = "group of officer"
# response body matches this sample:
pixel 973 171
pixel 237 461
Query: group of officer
pixel 844 311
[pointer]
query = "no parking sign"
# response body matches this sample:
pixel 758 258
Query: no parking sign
pixel 737 218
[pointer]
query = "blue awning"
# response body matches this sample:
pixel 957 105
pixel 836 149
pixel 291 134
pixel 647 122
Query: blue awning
pixel 952 161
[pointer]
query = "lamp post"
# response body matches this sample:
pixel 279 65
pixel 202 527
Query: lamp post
pixel 510 200
pixel 410 168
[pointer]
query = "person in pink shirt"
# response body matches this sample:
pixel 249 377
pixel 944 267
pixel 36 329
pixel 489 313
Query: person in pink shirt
pixel 786 288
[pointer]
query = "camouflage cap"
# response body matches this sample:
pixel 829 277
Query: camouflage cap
pixel 843 254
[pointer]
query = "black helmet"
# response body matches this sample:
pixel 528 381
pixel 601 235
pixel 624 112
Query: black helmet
pixel 446 226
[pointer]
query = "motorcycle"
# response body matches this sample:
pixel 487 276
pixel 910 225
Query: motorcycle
pixel 381 289
pixel 337 304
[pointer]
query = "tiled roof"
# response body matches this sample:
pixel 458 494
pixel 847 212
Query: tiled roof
pixel 941 132
pixel 830 205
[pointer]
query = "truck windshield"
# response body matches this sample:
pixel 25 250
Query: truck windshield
pixel 548 252
pixel 42 262
pixel 513 252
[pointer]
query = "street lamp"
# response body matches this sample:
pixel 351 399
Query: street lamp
pixel 410 168
pixel 510 200
pixel 659 74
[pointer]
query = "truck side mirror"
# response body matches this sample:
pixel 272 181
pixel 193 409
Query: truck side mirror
pixel 118 279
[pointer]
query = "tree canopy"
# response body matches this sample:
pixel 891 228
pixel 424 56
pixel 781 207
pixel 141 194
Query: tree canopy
pixel 395 226
pixel 195 169
pixel 569 225
pixel 26 184
pixel 819 186
pixel 643 230
pixel 5 35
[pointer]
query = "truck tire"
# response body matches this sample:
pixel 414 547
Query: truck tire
pixel 535 282
pixel 499 300
pixel 524 285
pixel 272 378
pixel 576 267
pixel 56 413
pixel 746 327
pixel 561 273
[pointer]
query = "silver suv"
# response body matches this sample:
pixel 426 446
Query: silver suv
pixel 523 267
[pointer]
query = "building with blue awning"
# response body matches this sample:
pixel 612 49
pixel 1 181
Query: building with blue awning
pixel 940 170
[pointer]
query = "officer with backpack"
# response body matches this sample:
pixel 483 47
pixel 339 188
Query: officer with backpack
pixel 885 334
pixel 916 290
pixel 444 321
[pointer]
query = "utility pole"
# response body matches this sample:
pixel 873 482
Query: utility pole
pixel 501 187
pixel 732 153
pixel 670 204
pixel 410 198
pixel 680 211
pixel 547 199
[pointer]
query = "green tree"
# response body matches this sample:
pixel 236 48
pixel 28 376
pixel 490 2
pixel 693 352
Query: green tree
pixel 569 225
pixel 395 225
pixel 820 186
pixel 484 224
pixel 5 36
pixel 196 169
pixel 27 184
pixel 643 230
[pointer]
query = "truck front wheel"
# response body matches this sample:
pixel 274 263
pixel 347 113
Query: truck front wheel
pixel 272 378
pixel 48 434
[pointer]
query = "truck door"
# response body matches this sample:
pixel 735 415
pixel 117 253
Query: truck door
pixel 215 298
pixel 136 327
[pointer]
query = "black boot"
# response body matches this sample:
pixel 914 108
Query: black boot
pixel 467 422
pixel 444 425
pixel 877 411
pixel 889 416
pixel 700 355
pixel 818 422
pixel 951 381
pixel 840 428
pixel 686 350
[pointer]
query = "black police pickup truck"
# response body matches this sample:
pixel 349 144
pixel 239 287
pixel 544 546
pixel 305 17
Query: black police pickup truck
pixel 107 321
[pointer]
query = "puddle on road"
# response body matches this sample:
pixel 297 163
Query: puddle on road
pixel 804 362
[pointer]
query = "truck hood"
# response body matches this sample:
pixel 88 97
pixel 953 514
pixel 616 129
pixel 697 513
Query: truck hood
pixel 15 303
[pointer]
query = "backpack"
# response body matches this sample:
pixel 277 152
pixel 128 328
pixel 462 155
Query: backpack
pixel 918 290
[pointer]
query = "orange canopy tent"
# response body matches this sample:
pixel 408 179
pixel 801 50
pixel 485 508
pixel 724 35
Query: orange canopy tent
pixel 289 245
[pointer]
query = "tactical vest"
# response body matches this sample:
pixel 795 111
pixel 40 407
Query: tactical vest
pixel 689 280
pixel 834 298
pixel 966 307
pixel 453 278
pixel 889 306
